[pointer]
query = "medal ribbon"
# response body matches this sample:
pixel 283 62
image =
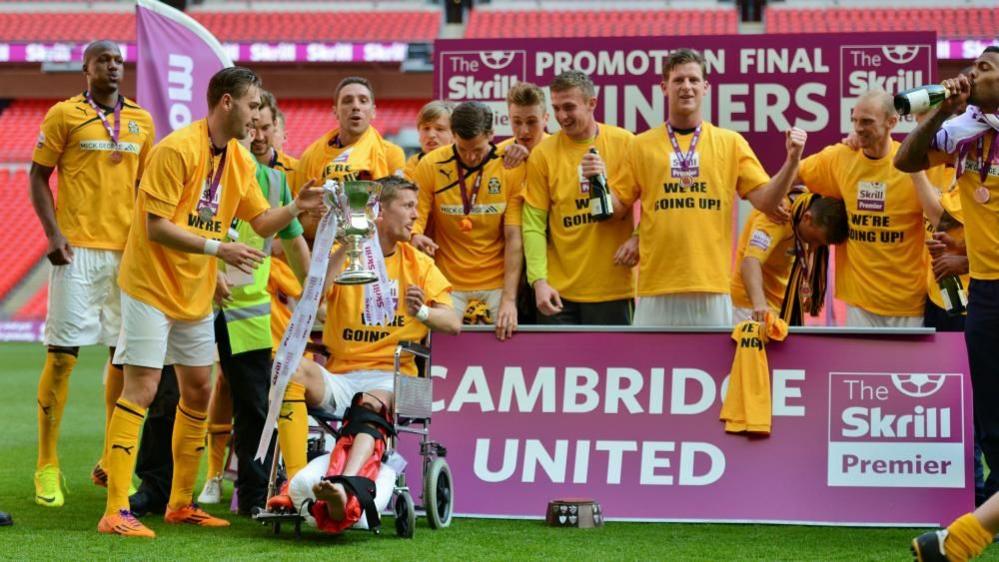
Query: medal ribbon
pixel 114 133
pixel 289 353
pixel 985 165
pixel 216 176
pixel 468 199
pixel 688 158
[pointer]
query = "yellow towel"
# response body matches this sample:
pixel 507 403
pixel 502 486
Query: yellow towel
pixel 747 406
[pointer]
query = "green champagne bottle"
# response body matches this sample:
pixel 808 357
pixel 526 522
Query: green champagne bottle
pixel 921 99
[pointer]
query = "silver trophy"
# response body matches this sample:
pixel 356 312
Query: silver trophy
pixel 354 204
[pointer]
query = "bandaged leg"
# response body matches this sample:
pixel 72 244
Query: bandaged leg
pixel 348 488
pixel 301 488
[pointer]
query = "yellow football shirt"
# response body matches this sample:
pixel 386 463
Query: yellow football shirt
pixel 685 233
pixel 284 162
pixel 370 154
pixel 882 266
pixel 410 168
pixel 95 197
pixel 580 249
pixel 471 261
pixel 942 177
pixel 356 346
pixel 180 284
pixel 773 245
pixel 981 225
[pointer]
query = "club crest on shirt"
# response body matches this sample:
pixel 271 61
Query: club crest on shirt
pixel 343 157
pixel 760 240
pixel 133 127
pixel 871 196
pixel 494 186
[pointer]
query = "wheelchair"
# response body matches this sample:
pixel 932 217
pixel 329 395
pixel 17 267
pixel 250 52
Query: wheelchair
pixel 411 412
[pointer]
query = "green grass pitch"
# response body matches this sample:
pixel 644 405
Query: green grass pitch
pixel 70 532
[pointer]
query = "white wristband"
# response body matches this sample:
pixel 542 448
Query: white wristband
pixel 212 247
pixel 423 314
pixel 293 209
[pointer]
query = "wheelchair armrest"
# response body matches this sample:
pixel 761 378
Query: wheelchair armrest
pixel 414 348
pixel 322 415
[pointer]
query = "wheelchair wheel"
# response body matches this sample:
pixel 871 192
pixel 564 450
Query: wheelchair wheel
pixel 405 515
pixel 438 494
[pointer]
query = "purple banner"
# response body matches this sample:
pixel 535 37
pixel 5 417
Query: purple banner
pixel 966 49
pixel 173 76
pixel 867 429
pixel 22 331
pixel 760 85
pixel 346 52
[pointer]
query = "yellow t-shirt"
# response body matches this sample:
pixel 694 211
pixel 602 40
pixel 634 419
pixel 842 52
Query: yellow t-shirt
pixel 181 284
pixel 95 196
pixel 773 245
pixel 882 266
pixel 281 285
pixel 685 233
pixel 410 168
pixel 981 225
pixel 356 346
pixel 942 177
pixel 370 154
pixel 580 250
pixel 472 261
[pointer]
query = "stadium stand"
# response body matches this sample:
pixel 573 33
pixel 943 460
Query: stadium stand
pixel 949 22
pixel 232 26
pixel 35 307
pixel 21 253
pixel 307 120
pixel 605 23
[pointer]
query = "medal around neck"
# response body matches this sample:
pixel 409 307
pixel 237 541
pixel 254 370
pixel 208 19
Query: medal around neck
pixel 205 213
pixel 354 205
pixel 116 156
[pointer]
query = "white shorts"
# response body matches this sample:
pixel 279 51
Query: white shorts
pixel 857 317
pixel 339 390
pixel 712 310
pixel 300 488
pixel 150 339
pixel 740 315
pixel 84 300
pixel 491 298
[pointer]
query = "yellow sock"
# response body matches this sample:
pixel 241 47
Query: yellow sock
pixel 218 436
pixel 123 436
pixel 53 388
pixel 966 538
pixel 189 431
pixel 293 429
pixel 113 384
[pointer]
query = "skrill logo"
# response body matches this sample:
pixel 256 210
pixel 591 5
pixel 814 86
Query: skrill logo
pixel 892 68
pixel 481 75
pixel 896 429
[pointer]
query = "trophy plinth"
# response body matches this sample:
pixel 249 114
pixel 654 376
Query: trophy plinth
pixel 358 224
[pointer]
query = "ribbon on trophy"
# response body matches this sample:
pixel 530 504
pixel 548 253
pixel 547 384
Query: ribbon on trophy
pixel 289 353
pixel 379 306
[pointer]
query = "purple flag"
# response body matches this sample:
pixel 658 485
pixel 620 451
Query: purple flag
pixel 177 58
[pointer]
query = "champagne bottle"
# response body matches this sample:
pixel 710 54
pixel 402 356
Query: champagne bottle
pixel 955 299
pixel 921 99
pixel 601 207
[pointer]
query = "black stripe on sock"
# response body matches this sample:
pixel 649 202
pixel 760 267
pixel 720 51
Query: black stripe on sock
pixel 129 410
pixel 190 415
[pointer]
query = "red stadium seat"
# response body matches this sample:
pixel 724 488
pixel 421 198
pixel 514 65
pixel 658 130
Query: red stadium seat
pixel 949 23
pixel 20 123
pixel 609 23
pixel 22 252
pixel 231 26
pixel 36 307
pixel 309 119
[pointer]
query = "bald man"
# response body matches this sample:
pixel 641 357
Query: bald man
pixel 881 268
pixel 98 141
